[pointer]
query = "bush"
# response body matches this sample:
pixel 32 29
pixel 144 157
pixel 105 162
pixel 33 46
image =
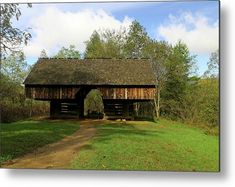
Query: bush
pixel 11 112
pixel 200 104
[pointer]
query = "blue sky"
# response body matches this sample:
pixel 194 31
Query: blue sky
pixel 60 24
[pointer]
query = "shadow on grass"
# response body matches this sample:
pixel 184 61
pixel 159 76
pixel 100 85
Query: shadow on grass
pixel 108 132
pixel 21 137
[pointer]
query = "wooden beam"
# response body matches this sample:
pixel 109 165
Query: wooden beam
pixel 81 107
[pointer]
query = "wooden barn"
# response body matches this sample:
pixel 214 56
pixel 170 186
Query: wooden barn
pixel 66 82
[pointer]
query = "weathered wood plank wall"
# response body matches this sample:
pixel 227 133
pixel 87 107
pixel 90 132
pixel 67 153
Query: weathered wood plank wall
pixel 128 93
pixel 49 93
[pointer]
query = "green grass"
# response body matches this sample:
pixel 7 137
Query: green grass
pixel 145 145
pixel 24 137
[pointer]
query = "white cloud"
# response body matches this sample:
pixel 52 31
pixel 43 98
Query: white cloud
pixel 194 30
pixel 55 28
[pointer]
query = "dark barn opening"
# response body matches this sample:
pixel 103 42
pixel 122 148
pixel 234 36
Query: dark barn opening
pixel 64 109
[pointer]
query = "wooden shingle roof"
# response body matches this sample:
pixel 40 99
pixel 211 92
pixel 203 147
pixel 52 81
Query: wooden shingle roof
pixel 51 71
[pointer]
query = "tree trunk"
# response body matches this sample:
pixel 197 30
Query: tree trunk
pixel 31 106
pixel 157 104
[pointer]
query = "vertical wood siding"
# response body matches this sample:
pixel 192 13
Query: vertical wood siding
pixel 107 93
pixel 128 93
pixel 51 92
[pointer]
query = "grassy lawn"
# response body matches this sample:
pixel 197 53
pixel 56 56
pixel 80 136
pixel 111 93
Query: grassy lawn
pixel 145 145
pixel 23 137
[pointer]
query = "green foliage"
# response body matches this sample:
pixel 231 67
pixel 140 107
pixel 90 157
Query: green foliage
pixel 208 102
pixel 14 105
pixel 26 109
pixel 113 42
pixel 213 65
pixel 136 41
pixel 10 91
pixel 11 38
pixel 158 52
pixel 70 52
pixel 15 67
pixel 108 44
pixel 178 69
pixel 93 102
pixel 24 137
pixel 118 44
pixel 201 103
pixel 94 47
pixel 142 145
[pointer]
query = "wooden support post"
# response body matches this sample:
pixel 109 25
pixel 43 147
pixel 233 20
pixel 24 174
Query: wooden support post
pixel 81 108
pixel 126 109
pixel 55 108
pixel 131 110
pixel 52 109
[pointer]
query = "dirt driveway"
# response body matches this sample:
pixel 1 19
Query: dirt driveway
pixel 59 154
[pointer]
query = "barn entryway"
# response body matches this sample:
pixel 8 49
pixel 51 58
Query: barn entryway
pixel 93 105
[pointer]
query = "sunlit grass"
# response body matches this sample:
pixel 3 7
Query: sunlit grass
pixel 145 145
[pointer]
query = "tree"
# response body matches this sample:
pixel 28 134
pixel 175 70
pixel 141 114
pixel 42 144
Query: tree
pixel 95 47
pixel 15 67
pixel 213 65
pixel 178 68
pixel 11 38
pixel 106 44
pixel 13 105
pixel 113 42
pixel 158 53
pixel 136 41
pixel 118 44
pixel 69 52
pixel 209 92
pixel 43 54
pixel 93 102
pixel 13 72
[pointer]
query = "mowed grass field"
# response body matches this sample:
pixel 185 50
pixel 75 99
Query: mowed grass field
pixel 131 145
pixel 142 145
pixel 24 137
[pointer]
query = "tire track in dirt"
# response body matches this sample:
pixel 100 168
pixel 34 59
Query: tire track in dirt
pixel 58 155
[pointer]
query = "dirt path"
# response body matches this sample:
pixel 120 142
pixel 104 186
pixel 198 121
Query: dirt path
pixel 59 154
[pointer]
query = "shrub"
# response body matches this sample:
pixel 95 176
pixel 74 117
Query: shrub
pixel 11 112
